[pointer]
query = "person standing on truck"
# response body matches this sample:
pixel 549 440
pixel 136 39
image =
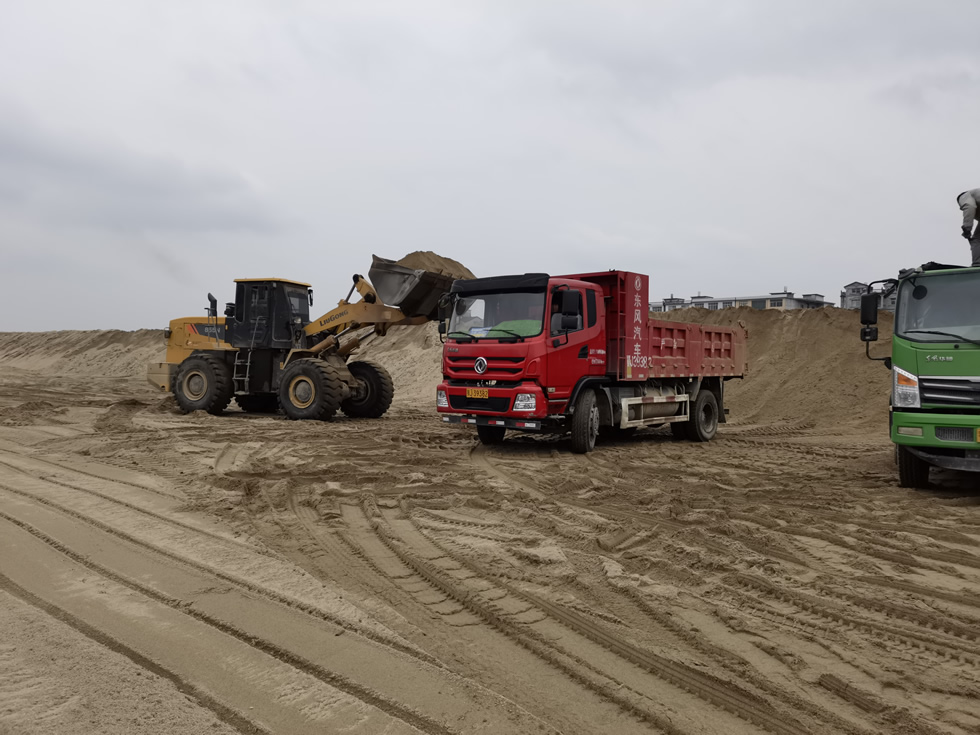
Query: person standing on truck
pixel 967 202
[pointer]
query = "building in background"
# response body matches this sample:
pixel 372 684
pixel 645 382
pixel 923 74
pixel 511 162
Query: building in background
pixel 776 300
pixel 850 297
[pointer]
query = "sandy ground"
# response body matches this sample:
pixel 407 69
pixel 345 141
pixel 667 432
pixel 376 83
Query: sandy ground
pixel 164 573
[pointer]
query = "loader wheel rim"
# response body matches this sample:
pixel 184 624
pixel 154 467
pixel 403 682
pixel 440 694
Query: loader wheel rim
pixel 195 385
pixel 302 392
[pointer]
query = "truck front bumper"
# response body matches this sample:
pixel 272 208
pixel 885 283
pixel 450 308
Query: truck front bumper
pixel 944 440
pixel 519 424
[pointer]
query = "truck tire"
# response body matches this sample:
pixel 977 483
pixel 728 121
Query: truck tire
pixel 377 388
pixel 310 389
pixel 678 429
pixel 203 383
pixel 491 435
pixel 585 422
pixel 703 424
pixel 912 471
pixel 258 403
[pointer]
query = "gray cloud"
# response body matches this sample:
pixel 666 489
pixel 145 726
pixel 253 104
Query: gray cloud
pixel 64 181
pixel 721 147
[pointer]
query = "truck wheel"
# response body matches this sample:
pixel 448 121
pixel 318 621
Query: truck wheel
pixel 203 383
pixel 258 403
pixel 377 391
pixel 912 471
pixel 491 434
pixel 310 389
pixel 703 424
pixel 585 422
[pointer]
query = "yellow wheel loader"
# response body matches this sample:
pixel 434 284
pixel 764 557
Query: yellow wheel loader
pixel 266 352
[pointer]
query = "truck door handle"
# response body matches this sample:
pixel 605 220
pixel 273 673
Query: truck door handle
pixel 584 352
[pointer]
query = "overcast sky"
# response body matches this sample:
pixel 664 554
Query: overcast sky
pixel 151 152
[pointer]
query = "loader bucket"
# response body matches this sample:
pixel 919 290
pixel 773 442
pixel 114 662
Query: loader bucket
pixel 415 292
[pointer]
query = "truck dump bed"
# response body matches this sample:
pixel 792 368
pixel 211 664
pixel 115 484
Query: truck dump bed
pixel 640 348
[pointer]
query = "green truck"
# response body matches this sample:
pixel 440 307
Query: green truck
pixel 935 364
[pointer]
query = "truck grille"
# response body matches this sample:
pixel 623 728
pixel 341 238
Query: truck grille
pixel 463 366
pixel 954 433
pixel 951 391
pixel 462 403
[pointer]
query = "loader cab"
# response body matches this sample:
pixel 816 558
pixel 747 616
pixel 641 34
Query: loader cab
pixel 268 313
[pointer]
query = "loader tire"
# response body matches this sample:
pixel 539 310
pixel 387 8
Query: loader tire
pixel 203 383
pixel 258 403
pixel 703 424
pixel 310 389
pixel 912 471
pixel 377 391
pixel 491 435
pixel 585 423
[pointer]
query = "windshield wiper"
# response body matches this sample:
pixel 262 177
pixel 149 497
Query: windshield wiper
pixel 945 334
pixel 470 337
pixel 507 331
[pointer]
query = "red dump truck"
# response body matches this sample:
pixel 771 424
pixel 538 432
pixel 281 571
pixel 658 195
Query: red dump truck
pixel 577 353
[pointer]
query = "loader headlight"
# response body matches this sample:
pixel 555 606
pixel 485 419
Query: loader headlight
pixel 525 402
pixel 905 389
pixel 441 400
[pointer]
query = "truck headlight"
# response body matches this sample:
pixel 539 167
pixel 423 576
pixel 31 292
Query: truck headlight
pixel 441 400
pixel 905 389
pixel 525 402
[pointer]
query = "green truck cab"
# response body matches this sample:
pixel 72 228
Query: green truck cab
pixel 935 364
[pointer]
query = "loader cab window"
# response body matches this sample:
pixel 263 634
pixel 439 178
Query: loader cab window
pixel 299 303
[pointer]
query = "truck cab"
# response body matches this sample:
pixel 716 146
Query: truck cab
pixel 532 334
pixel 935 366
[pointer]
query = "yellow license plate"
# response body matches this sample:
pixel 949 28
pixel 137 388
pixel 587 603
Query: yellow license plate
pixel 477 392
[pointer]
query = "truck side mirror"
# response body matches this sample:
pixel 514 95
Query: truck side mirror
pixel 869 334
pixel 869 311
pixel 442 326
pixel 571 302
pixel 569 322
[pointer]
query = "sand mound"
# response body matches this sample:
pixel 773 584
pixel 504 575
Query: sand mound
pixel 427 260
pixel 805 366
pixel 94 352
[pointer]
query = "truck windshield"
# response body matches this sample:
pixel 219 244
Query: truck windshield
pixel 946 303
pixel 498 315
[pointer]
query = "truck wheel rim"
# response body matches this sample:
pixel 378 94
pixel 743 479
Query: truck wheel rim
pixel 195 385
pixel 707 417
pixel 593 423
pixel 302 392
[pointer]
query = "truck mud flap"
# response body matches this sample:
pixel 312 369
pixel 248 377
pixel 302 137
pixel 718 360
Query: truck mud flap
pixel 520 424
pixel 414 292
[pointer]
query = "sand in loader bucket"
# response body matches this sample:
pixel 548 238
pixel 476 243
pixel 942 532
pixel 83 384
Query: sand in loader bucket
pixel 415 291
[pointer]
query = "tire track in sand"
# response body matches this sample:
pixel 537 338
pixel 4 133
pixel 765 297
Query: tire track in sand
pixel 510 606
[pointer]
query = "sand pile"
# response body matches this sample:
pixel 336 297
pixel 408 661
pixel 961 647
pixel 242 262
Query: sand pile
pixel 427 260
pixel 110 353
pixel 805 366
